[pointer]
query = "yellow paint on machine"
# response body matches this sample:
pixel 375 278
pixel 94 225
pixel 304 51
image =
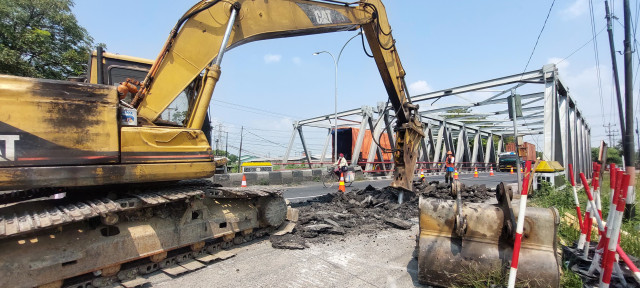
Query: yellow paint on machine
pixel 163 144
pixel 17 178
pixel 72 115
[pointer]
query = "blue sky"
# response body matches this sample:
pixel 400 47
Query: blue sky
pixel 442 44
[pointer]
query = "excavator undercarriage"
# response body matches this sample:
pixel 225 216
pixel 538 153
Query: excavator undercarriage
pixel 129 231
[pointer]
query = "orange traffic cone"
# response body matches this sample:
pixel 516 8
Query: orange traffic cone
pixel 455 174
pixel 341 188
pixel 244 181
pixel 475 172
pixel 511 170
pixel 491 172
pixel 421 173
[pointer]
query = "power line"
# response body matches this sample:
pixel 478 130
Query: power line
pixel 529 60
pixel 538 39
pixel 583 45
pixel 597 58
pixel 610 133
pixel 257 109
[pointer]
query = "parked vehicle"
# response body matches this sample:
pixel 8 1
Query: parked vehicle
pixel 508 160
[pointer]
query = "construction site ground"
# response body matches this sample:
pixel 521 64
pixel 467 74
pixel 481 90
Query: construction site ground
pixel 377 255
pixel 384 259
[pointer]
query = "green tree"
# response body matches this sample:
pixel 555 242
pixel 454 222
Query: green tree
pixel 178 117
pixel 613 155
pixel 42 39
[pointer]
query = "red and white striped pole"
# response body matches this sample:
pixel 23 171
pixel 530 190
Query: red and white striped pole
pixel 596 188
pixel 591 210
pixel 604 240
pixel 519 227
pixel 583 230
pixel 575 195
pixel 625 258
pixel 591 201
pixel 614 226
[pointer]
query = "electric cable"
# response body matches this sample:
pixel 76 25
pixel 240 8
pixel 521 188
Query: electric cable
pixel 529 60
pixel 597 58
pixel 583 45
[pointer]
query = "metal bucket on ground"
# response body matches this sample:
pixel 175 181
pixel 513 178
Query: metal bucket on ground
pixel 445 258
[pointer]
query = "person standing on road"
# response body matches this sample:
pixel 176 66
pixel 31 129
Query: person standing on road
pixel 341 165
pixel 450 161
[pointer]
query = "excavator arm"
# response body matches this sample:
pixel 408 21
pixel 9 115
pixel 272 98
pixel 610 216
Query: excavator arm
pixel 198 42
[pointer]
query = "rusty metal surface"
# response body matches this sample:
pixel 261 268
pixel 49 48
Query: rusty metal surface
pixel 12 224
pixel 222 255
pixel 58 122
pixel 21 178
pixel 82 247
pixel 138 282
pixel 444 258
pixel 408 138
pixel 24 218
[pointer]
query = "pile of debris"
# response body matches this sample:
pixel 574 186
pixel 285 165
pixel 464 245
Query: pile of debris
pixel 356 211
pixel 362 212
pixel 474 193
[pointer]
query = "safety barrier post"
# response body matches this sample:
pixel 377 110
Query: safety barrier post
pixel 519 227
pixel 575 194
pixel 610 256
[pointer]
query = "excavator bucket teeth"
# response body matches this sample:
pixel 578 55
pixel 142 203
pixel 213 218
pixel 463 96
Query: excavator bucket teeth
pixel 444 258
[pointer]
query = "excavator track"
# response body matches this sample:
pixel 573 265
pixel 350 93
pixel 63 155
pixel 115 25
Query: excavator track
pixel 112 240
pixel 176 263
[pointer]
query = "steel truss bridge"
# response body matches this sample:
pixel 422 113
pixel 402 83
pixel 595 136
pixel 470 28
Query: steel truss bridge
pixel 547 106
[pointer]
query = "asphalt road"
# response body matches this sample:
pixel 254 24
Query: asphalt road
pixel 310 190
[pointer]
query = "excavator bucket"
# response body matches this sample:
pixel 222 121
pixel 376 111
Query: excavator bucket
pixel 449 256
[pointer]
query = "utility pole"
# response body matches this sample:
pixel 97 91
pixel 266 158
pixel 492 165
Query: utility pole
pixel 226 146
pixel 610 133
pixel 218 138
pixel 614 62
pixel 240 150
pixel 637 137
pixel 217 142
pixel 628 145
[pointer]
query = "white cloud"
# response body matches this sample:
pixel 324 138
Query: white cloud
pixel 297 60
pixel 272 58
pixel 419 87
pixel 562 65
pixel 575 10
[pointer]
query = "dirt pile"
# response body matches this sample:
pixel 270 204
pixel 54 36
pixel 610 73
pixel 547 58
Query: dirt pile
pixel 364 212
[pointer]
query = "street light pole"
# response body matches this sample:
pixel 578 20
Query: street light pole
pixel 335 115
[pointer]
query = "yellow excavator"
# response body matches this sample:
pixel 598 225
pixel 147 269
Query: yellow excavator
pixel 99 183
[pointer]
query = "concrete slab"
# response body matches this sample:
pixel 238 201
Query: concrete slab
pixel 384 259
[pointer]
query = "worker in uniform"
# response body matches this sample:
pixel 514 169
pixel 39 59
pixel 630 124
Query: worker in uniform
pixel 341 165
pixel 450 161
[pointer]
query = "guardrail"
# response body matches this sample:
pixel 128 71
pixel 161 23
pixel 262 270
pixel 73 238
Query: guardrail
pixel 429 167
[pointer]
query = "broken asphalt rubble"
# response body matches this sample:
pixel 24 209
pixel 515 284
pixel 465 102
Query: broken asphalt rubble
pixel 362 212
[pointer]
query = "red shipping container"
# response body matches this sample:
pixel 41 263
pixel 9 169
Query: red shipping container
pixel 348 137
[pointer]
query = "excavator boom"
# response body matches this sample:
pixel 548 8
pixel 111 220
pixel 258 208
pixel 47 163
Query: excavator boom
pixel 187 52
pixel 89 167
